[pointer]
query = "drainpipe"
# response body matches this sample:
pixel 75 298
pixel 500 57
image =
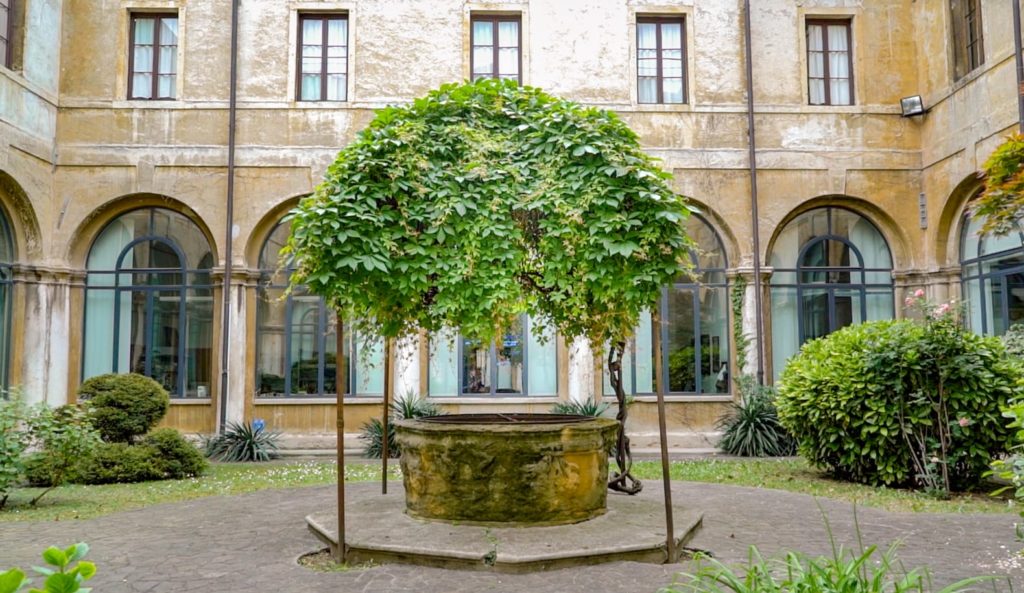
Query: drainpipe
pixel 1020 65
pixel 752 144
pixel 230 220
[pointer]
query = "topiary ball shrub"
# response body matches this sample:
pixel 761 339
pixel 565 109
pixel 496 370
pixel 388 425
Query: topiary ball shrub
pixel 120 463
pixel 865 403
pixel 177 457
pixel 123 407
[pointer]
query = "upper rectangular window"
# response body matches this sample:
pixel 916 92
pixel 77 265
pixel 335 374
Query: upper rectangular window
pixel 661 60
pixel 6 30
pixel 323 57
pixel 153 58
pixel 829 62
pixel 497 47
pixel 968 41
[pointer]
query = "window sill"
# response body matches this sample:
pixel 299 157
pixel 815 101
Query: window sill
pixel 190 401
pixel 661 108
pixel 317 401
pixel 497 399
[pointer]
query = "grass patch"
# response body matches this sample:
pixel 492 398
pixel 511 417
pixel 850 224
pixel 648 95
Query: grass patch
pixel 224 479
pixel 795 475
pixel 322 561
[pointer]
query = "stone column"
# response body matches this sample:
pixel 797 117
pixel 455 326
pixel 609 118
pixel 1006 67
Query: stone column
pixel 238 346
pixel 45 322
pixel 750 314
pixel 407 366
pixel 581 370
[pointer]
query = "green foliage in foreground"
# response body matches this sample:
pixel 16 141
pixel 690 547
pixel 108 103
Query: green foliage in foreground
pixel 483 201
pixel 61 578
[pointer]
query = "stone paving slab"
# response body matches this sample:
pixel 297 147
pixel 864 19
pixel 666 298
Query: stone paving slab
pixel 242 544
pixel 379 530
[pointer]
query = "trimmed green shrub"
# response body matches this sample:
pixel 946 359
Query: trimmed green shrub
pixel 404 407
pixel 14 440
pixel 901 403
pixel 176 457
pixel 1013 340
pixel 120 463
pixel 64 437
pixel 123 407
pixel 751 427
pixel 243 442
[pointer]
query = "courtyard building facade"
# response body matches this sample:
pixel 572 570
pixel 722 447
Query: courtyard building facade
pixel 143 189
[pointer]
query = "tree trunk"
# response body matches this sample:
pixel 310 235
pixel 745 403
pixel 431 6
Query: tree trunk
pixel 622 480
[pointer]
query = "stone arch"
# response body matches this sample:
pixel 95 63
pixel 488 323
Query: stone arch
pixel 85 234
pixel 951 220
pixel 259 233
pixel 722 229
pixel 17 207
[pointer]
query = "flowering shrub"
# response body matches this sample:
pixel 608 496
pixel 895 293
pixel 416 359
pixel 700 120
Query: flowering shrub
pixel 1011 469
pixel 915 403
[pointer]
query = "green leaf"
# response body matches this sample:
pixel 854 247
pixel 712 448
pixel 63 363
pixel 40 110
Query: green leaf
pixel 61 583
pixel 55 557
pixel 12 581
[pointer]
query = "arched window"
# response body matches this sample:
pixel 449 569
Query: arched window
pixel 6 285
pixel 695 332
pixel 524 361
pixel 296 343
pixel 832 268
pixel 992 269
pixel 149 302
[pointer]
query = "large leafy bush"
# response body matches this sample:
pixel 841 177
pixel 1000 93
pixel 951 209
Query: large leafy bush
pixel 901 402
pixel 123 407
pixel 14 440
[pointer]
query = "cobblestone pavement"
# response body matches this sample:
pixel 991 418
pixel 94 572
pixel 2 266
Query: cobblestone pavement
pixel 250 543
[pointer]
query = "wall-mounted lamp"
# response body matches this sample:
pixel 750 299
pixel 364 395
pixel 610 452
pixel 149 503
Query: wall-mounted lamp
pixel 912 106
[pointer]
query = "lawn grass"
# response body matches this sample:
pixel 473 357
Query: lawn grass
pixel 83 502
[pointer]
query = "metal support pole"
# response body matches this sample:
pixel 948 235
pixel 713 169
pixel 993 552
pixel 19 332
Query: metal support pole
pixel 752 146
pixel 341 381
pixel 229 224
pixel 1020 65
pixel 388 386
pixel 659 388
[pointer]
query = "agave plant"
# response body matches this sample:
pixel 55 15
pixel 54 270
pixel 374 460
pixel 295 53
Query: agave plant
pixel 243 442
pixel 403 408
pixel 751 427
pixel 588 407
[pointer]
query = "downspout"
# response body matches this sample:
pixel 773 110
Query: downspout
pixel 1020 65
pixel 752 145
pixel 230 220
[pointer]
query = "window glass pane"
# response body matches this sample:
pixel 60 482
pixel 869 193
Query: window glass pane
pixel 337 32
pixel 647 90
pixel 643 356
pixel 994 297
pixel 476 367
pixel 370 368
pixel 680 345
pixel 144 31
pixel 837 38
pixel 671 36
pixel 312 32
pixel 165 87
pixel 647 65
pixel 270 337
pixel 483 60
pixel 310 87
pixel 508 34
pixel 785 339
pixel 816 64
pixel 814 38
pixel 99 324
pixel 672 64
pixel 672 90
pixel 143 59
pixel 168 31
pixel 199 344
pixel 646 36
pixel 543 360
pixel 168 63
pixel 880 305
pixel 483 33
pixel 336 87
pixel 848 308
pixel 840 92
pixel 142 86
pixel 814 314
pixel 304 346
pixel 838 64
pixel 442 368
pixel 510 358
pixel 508 61
pixel 714 340
pixel 710 253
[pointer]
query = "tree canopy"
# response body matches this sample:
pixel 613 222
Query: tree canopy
pixel 483 201
pixel 1002 202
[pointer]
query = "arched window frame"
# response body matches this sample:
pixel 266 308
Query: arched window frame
pixel 978 262
pixel 277 278
pixel 7 258
pixel 185 288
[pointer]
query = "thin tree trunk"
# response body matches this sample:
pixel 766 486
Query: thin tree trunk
pixel 622 480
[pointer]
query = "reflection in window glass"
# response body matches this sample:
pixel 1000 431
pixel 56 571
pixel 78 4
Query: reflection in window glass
pixel 992 272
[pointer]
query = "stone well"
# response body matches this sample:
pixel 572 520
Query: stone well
pixel 506 469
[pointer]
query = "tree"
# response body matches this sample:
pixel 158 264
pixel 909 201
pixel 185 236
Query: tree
pixel 483 201
pixel 1002 202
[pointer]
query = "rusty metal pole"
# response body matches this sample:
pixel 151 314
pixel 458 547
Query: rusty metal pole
pixel 340 383
pixel 659 389
pixel 388 386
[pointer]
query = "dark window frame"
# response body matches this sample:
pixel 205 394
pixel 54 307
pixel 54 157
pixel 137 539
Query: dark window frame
pixel 971 270
pixel 494 19
pixel 323 17
pixel 8 33
pixel 968 37
pixel 155 72
pixel 826 72
pixel 659 76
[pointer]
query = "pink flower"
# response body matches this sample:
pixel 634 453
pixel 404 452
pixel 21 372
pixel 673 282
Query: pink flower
pixel 943 309
pixel 908 301
pixel 919 293
pixel 964 422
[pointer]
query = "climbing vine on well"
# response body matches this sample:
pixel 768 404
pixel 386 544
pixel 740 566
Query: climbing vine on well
pixel 483 201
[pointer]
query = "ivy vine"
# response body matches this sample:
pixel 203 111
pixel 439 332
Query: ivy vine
pixel 737 295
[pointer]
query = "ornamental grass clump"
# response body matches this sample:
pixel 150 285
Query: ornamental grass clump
pixel 902 403
pixel 244 442
pixel 751 427
pixel 404 407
